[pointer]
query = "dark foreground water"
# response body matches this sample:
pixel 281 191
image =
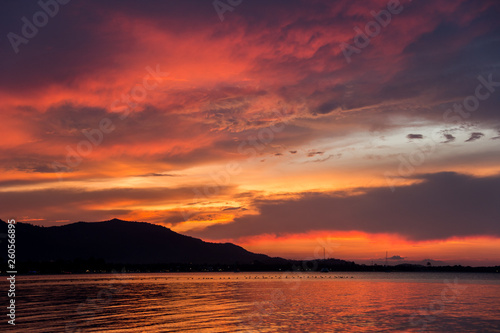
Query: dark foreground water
pixel 258 302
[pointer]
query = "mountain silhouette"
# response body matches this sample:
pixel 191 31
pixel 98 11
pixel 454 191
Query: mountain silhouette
pixel 103 246
pixel 124 242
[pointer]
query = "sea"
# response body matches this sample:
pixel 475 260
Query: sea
pixel 257 302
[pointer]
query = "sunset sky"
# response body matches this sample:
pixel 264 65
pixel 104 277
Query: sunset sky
pixel 270 124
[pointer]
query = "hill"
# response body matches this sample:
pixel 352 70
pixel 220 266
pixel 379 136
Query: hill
pixel 123 242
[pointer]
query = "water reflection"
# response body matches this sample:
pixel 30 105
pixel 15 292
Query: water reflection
pixel 258 302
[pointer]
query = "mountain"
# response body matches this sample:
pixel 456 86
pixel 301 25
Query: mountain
pixel 123 242
pixel 106 246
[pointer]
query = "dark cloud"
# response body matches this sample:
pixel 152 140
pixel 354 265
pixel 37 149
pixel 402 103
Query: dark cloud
pixel 15 182
pixel 62 126
pixel 441 206
pixel 294 55
pixel 74 204
pixel 154 174
pixel 250 194
pixel 69 47
pixel 415 136
pixel 327 107
pixel 314 153
pixel 457 49
pixel 234 208
pixel 31 164
pixel 475 136
pixel 173 217
pixel 80 42
pixel 449 138
pixel 335 156
pixel 396 258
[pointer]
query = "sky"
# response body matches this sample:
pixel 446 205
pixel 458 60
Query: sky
pixel 292 128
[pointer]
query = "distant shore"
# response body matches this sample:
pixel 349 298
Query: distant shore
pixel 93 266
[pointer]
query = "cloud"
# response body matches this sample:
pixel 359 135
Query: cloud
pixel 441 206
pixel 449 138
pixel 93 205
pixel 233 208
pixel 475 136
pixel 319 160
pixel 283 55
pixel 225 82
pixel 396 258
pixel 314 153
pixel 154 174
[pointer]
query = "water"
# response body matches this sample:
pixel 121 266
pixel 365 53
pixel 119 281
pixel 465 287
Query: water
pixel 258 302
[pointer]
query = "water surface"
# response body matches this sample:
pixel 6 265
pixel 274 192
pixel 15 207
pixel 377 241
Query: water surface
pixel 259 302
